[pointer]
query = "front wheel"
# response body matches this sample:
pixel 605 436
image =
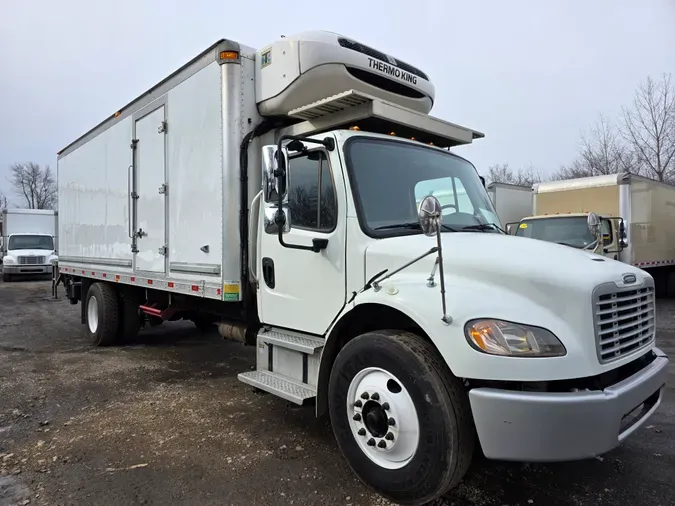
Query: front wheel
pixel 401 419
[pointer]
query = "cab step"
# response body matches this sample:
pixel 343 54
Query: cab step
pixel 278 385
pixel 287 364
pixel 291 340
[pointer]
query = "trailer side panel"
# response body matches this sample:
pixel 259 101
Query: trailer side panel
pixel 651 231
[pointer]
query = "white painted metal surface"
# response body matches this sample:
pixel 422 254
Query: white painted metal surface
pixel 582 182
pixel 94 197
pixel 309 66
pixel 512 202
pixel 195 168
pixel 515 274
pixel 27 221
pixel 197 157
pixel 316 291
pixel 151 204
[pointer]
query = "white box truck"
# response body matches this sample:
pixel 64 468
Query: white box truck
pixel 275 191
pixel 512 202
pixel 28 242
pixel 637 214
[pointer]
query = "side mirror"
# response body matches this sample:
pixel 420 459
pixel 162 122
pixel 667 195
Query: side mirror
pixel 511 228
pixel 594 222
pixel 430 216
pixel 482 180
pixel 274 218
pixel 623 240
pixel 274 177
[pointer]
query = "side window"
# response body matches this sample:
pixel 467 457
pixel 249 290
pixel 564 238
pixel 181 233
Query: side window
pixel 606 228
pixel 311 194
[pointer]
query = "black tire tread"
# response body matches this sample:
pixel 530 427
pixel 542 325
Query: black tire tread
pixel 459 401
pixel 129 320
pixel 108 313
pixel 456 404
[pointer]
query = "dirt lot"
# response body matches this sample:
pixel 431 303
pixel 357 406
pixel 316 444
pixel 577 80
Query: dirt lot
pixel 165 421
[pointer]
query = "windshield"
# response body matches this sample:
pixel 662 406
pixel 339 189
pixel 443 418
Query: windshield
pixel 31 242
pixel 568 230
pixel 390 179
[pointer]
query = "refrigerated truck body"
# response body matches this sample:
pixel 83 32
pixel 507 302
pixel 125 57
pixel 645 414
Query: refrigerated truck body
pixel 275 192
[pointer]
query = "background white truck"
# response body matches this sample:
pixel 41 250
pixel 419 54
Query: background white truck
pixel 276 191
pixel 28 241
pixel 512 202
pixel 638 217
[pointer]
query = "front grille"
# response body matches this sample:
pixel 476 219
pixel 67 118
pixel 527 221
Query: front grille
pixel 374 53
pixel 31 260
pixel 624 320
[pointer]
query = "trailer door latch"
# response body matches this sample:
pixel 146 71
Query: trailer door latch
pixel 163 189
pixel 163 126
pixel 163 250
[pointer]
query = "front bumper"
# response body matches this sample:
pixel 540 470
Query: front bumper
pixel 26 269
pixel 549 426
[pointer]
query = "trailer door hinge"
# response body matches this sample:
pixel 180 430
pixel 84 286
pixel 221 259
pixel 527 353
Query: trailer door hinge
pixel 163 251
pixel 163 127
pixel 134 143
pixel 134 195
pixel 163 189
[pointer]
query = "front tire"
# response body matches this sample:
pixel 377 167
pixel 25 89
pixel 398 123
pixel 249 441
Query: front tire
pixel 102 314
pixel 400 417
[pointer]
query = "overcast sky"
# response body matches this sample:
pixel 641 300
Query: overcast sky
pixel 529 74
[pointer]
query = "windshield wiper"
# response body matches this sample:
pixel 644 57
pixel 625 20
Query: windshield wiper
pixel 483 227
pixel 413 225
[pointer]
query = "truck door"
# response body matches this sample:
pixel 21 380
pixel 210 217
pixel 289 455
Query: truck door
pixel 300 289
pixel 150 178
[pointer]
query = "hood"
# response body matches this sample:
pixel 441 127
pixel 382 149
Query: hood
pixel 498 259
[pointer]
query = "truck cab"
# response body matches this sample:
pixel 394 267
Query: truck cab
pixel 28 254
pixel 341 236
pixel 572 229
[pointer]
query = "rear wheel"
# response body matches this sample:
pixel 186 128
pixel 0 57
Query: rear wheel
pixel 129 321
pixel 401 419
pixel 102 314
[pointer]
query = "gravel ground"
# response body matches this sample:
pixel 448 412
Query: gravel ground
pixel 165 421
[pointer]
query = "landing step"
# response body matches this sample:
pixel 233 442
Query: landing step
pixel 291 340
pixel 278 385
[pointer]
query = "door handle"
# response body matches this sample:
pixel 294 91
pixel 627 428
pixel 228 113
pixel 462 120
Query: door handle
pixel 268 271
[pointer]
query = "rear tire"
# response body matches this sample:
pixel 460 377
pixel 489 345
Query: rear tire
pixel 129 322
pixel 413 441
pixel 102 313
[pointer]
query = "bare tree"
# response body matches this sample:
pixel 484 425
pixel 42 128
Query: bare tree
pixel 35 185
pixel 602 150
pixel 502 173
pixel 649 127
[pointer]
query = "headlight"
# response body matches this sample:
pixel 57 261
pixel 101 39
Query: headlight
pixel 8 260
pixel 498 337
